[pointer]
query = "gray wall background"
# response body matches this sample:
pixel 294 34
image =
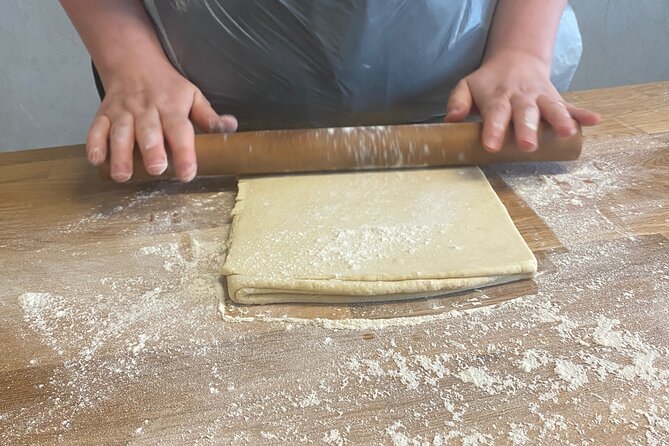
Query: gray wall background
pixel 47 96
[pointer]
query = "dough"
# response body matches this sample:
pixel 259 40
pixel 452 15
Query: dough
pixel 370 236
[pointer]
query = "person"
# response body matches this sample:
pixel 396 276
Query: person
pixel 267 64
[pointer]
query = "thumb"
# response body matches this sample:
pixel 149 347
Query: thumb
pixel 459 103
pixel 206 118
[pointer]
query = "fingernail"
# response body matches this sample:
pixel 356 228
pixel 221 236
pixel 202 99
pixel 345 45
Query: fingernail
pixel 121 176
pixel 531 119
pixel 528 146
pixel 157 169
pixel 94 155
pixel 229 123
pixel 189 173
pixel 490 145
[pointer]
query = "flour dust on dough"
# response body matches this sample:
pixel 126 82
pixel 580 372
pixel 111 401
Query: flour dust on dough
pixel 372 236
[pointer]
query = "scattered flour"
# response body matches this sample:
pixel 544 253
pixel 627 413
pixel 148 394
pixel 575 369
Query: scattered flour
pixel 357 323
pixel 572 374
pixel 657 429
pixel 139 346
pixel 480 378
pixel 616 407
pixel 518 434
pixel 604 334
pixel 355 248
pixel 533 359
pixel 334 438
pixel 310 400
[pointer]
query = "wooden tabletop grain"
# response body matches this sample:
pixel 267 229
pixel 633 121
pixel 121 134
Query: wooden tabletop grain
pixel 110 330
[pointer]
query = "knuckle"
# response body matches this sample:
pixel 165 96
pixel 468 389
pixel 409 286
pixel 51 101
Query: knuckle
pixel 454 103
pixel 95 137
pixel 549 98
pixel 523 108
pixel 120 117
pixel 177 123
pixel 501 91
pixel 493 130
pixel 526 87
pixel 119 134
pixel 147 138
pixel 144 127
pixel 134 105
pixel 561 113
pixel 182 149
pixel 99 125
pixel 146 123
pixel 213 123
pixel 495 123
pixel 556 101
pixel 163 100
pixel 100 116
pixel 560 106
pixel 107 102
pixel 496 107
pixel 201 97
pixel 565 118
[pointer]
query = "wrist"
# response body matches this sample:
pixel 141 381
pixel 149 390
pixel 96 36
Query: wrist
pixel 518 56
pixel 130 69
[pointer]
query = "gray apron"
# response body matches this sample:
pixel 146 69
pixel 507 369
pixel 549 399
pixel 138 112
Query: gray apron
pixel 321 63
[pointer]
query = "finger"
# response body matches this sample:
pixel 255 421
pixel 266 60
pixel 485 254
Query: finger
pixel 122 141
pixel 96 142
pixel 583 116
pixel 206 118
pixel 459 103
pixel 180 137
pixel 525 123
pixel 149 136
pixel 556 114
pixel 496 117
pixel 229 123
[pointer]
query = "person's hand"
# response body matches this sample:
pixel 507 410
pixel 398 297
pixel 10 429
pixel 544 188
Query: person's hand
pixel 514 86
pixel 155 110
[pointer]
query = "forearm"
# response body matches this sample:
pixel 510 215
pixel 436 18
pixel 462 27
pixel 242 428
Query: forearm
pixel 118 34
pixel 528 26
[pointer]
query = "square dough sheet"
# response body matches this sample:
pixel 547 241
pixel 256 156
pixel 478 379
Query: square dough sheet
pixel 372 236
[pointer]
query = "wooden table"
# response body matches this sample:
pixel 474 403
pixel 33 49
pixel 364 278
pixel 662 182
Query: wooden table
pixel 110 331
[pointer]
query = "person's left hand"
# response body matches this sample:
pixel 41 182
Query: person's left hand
pixel 514 86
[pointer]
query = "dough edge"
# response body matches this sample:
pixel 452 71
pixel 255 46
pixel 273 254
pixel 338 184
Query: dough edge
pixel 255 291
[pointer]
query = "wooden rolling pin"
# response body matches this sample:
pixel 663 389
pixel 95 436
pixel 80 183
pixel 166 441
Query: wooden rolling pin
pixel 360 148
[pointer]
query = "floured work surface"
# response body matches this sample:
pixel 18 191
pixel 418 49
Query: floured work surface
pixel 109 325
pixel 370 236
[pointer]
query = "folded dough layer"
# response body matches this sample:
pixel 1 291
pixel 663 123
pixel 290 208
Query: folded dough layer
pixel 360 237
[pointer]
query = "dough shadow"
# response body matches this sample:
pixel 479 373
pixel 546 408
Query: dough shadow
pixel 522 170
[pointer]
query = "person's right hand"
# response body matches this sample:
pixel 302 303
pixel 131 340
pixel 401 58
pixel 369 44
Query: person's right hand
pixel 154 109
